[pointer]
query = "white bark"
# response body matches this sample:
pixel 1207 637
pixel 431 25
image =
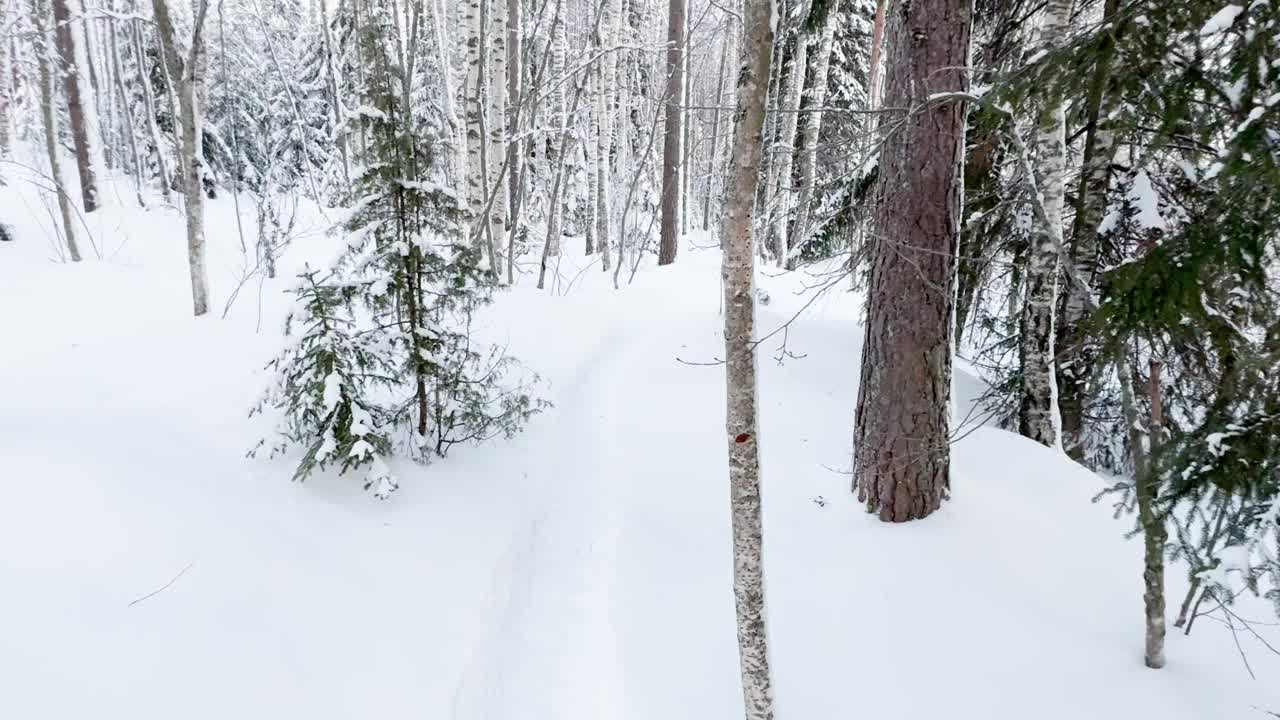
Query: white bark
pixel 149 107
pixel 189 73
pixel 780 175
pixel 496 124
pixel 48 62
pixel 130 136
pixel 808 146
pixel 1038 413
pixel 739 333
pixel 473 92
pixel 607 36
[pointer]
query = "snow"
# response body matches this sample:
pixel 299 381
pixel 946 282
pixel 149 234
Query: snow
pixel 580 571
pixel 1146 202
pixel 1221 20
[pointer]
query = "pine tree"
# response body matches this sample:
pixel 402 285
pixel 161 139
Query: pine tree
pixel 384 363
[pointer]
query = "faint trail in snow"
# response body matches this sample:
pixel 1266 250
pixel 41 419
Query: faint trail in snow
pixel 548 648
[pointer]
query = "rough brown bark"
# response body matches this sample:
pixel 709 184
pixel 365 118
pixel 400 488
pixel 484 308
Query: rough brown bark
pixel 901 435
pixel 79 123
pixel 740 349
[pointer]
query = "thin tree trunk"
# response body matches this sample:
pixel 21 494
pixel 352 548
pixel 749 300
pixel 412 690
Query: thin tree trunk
pixel 474 109
pixel 7 63
pixel 335 98
pixel 686 143
pixel 191 74
pixel 807 166
pixel 877 48
pixel 496 124
pixel 715 124
pixel 149 105
pixel 902 431
pixel 138 168
pixel 1153 529
pixel 607 36
pixel 79 106
pixel 780 180
pixel 1038 410
pixel 740 368
pixel 515 71
pixel 670 231
pixel 46 59
pixel 1076 357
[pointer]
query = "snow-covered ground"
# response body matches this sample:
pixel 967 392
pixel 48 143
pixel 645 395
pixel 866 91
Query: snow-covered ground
pixel 579 572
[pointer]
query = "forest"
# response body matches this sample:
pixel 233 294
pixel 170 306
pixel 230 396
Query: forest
pixel 477 358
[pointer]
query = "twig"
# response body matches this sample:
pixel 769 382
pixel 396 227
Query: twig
pixel 164 587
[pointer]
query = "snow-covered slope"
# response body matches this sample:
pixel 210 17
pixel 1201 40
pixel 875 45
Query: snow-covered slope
pixel 578 572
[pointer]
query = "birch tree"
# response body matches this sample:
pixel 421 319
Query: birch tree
pixel 47 63
pixel 807 148
pixel 671 151
pixel 1038 411
pixel 606 41
pixel 741 427
pixel 901 468
pixel 780 170
pixel 80 106
pixel 149 108
pixel 189 73
pixel 1073 351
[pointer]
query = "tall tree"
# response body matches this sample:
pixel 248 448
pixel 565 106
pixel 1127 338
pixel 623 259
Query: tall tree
pixel 671 155
pixel 1074 352
pixel 740 349
pixel 47 63
pixel 80 105
pixel 826 15
pixel 189 73
pixel 1038 411
pixel 902 429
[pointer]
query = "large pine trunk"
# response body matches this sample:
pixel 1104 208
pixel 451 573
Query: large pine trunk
pixel 189 74
pixel 671 155
pixel 79 105
pixel 902 431
pixel 740 350
pixel 1038 410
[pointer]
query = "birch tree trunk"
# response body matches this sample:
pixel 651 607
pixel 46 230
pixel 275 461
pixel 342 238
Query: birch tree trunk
pixel 496 124
pixel 1038 409
pixel 515 71
pixel 118 76
pixel 607 41
pixel 901 467
pixel 474 109
pixel 780 181
pixel 740 368
pixel 189 73
pixel 1075 357
pixel 7 99
pixel 149 106
pixel 671 155
pixel 80 108
pixel 48 63
pixel 713 151
pixel 807 148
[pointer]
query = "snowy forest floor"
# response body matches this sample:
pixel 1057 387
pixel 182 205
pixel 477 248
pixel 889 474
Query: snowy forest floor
pixel 578 572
